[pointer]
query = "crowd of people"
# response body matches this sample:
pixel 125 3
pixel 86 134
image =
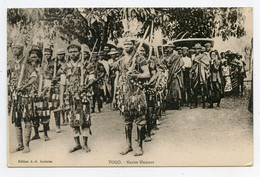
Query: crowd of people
pixel 202 71
pixel 135 81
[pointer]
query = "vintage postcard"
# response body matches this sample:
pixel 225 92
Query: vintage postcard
pixel 130 87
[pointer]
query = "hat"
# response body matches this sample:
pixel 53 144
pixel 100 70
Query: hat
pixel 197 46
pixel 101 53
pixel 208 44
pixel 95 54
pixel 224 60
pixel 203 49
pixel 74 44
pixel 60 51
pixel 36 47
pixel 18 43
pixel 47 50
pixel 184 48
pixel 106 48
pixel 178 48
pixel 112 51
pixel 85 48
pixel 142 49
pixel 191 50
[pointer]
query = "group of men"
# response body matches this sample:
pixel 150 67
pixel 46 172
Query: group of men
pixel 201 71
pixel 70 83
pixel 196 74
pixel 136 81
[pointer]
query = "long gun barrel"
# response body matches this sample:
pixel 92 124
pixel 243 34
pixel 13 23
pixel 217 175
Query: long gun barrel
pixel 138 49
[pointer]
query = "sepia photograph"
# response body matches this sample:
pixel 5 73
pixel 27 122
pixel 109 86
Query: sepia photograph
pixel 130 87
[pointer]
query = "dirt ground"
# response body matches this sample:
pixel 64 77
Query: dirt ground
pixel 187 137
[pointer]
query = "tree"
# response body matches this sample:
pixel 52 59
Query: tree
pixel 89 24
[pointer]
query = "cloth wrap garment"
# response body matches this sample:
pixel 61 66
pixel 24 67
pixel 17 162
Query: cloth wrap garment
pixel 175 80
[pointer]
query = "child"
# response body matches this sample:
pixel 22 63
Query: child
pixel 226 75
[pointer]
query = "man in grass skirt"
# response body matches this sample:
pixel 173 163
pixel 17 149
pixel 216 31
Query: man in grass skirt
pixel 131 98
pixel 22 78
pixel 150 93
pixel 79 97
pixel 43 102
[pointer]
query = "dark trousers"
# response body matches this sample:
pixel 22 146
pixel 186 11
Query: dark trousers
pixel 186 90
pixel 97 98
pixel 241 84
pixel 112 81
pixel 57 118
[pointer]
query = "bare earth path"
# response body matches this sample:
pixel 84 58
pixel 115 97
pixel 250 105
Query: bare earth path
pixel 196 137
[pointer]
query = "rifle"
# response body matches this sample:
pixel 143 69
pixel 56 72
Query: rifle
pixel 41 77
pixel 151 39
pixel 114 94
pixel 23 67
pixel 91 54
pixel 55 59
pixel 131 68
pixel 82 68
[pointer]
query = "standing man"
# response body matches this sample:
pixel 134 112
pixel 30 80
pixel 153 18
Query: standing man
pixel 42 101
pixel 195 77
pixel 57 76
pixel 215 81
pixel 131 74
pixel 78 97
pixel 112 75
pixel 187 61
pixel 98 85
pixel 22 78
pixel 150 93
pixel 103 59
pixel 208 49
pixel 61 75
pixel 175 81
pixel 241 74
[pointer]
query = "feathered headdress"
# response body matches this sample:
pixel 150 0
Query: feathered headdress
pixel 17 35
pixel 132 28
